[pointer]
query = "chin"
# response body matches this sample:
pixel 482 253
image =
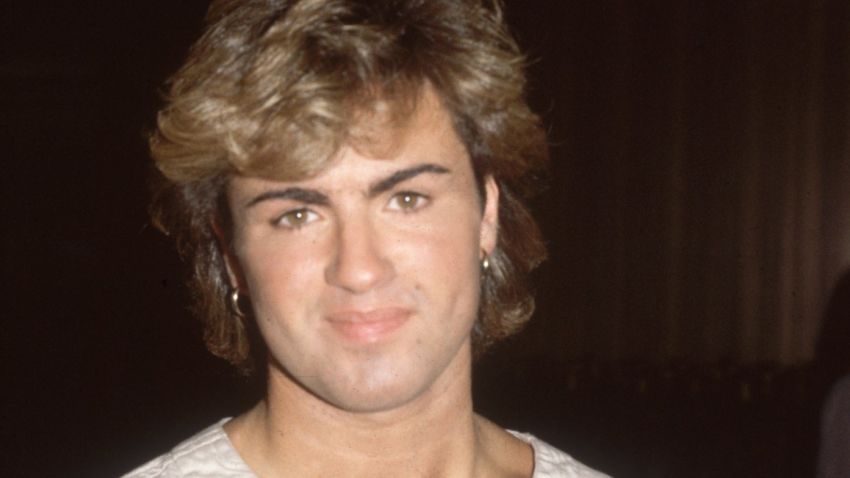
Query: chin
pixel 379 391
pixel 372 403
pixel 379 378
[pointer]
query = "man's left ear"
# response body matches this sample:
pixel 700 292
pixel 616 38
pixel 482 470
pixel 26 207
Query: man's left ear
pixel 231 264
pixel 490 218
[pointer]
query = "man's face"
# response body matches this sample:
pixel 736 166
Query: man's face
pixel 365 279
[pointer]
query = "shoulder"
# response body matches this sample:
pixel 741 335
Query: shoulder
pixel 208 453
pixel 550 462
pixel 835 412
pixel 841 389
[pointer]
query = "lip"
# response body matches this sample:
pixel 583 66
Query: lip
pixel 370 325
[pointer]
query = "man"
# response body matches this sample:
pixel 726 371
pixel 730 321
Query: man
pixel 834 451
pixel 346 175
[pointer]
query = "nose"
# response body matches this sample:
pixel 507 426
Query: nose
pixel 360 262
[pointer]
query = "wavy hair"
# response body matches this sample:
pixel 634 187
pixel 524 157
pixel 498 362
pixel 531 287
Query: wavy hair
pixel 273 88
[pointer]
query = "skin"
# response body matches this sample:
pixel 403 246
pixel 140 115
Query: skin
pixel 364 281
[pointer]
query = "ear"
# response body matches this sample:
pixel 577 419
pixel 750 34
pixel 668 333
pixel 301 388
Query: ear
pixel 231 263
pixel 490 218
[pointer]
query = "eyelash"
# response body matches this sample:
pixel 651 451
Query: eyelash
pixel 420 201
pixel 285 219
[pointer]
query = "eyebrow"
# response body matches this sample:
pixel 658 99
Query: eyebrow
pixel 388 183
pixel 312 196
pixel 306 196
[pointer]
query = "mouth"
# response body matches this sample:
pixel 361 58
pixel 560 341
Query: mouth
pixel 370 325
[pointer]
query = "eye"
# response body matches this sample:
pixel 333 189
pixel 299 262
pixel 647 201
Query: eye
pixel 407 201
pixel 296 218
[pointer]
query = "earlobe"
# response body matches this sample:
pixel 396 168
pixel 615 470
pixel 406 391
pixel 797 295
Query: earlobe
pixel 490 218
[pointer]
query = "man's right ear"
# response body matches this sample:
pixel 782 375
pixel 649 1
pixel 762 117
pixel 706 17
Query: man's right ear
pixel 231 263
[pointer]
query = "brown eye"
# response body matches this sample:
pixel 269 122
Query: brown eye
pixel 407 201
pixel 296 219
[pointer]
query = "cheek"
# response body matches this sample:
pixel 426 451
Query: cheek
pixel 275 271
pixel 444 259
pixel 284 289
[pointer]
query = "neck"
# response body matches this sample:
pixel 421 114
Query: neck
pixel 434 434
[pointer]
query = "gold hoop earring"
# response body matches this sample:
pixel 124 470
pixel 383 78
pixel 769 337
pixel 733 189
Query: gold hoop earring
pixel 234 304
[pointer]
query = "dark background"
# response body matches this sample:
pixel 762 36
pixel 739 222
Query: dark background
pixel 697 219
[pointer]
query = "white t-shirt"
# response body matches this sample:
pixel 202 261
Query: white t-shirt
pixel 211 454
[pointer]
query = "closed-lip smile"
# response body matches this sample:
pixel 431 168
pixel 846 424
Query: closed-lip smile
pixel 368 325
